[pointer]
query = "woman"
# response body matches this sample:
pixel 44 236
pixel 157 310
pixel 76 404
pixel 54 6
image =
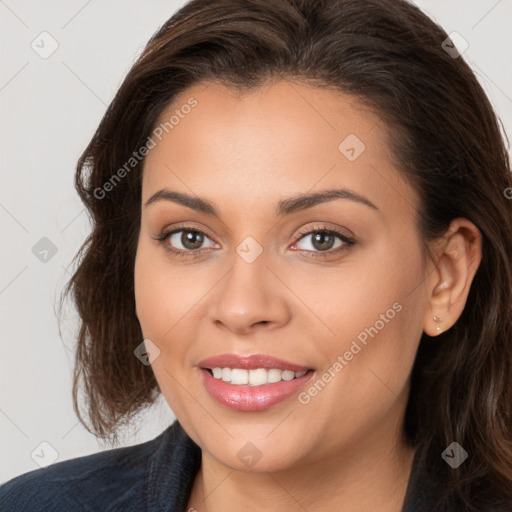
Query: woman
pixel 301 238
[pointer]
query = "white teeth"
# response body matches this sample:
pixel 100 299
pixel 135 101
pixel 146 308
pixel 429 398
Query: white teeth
pixel 288 375
pixel 239 376
pixel 274 375
pixel 257 377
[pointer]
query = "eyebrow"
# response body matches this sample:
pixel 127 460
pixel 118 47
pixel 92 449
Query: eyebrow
pixel 285 207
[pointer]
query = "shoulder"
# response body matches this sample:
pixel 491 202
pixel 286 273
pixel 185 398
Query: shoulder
pixel 114 479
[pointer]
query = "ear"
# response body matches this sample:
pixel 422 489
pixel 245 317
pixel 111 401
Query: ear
pixel 457 257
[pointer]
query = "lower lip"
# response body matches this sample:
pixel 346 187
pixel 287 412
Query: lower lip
pixel 252 398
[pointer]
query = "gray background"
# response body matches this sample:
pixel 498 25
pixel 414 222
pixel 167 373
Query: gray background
pixel 50 108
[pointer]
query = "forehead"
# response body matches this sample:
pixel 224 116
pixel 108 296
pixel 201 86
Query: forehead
pixel 271 142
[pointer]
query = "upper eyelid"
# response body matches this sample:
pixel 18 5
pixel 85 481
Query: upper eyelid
pixel 302 233
pixel 177 229
pixel 325 227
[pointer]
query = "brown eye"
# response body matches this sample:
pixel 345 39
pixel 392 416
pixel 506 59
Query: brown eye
pixel 191 239
pixel 186 240
pixel 323 242
pixel 320 241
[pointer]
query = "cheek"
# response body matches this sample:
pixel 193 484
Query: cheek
pixel 162 302
pixel 150 298
pixel 162 295
pixel 367 289
pixel 155 305
pixel 374 311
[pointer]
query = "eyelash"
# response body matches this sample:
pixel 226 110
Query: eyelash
pixel 347 241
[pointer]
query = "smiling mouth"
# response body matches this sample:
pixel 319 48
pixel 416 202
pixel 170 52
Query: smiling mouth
pixel 254 377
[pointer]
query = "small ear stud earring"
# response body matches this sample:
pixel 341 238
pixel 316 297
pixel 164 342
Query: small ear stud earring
pixel 438 320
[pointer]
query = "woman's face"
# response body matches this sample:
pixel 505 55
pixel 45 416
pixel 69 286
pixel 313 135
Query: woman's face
pixel 334 285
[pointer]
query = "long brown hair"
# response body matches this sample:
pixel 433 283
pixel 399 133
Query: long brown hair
pixel 445 139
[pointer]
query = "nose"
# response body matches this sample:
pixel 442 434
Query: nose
pixel 249 298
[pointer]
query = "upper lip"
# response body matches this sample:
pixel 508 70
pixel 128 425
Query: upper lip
pixel 251 362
